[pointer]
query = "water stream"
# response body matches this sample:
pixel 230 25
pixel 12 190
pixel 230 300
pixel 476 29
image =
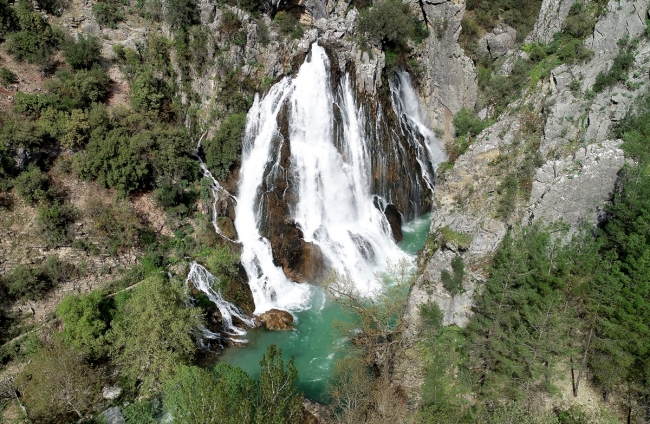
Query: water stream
pixel 334 192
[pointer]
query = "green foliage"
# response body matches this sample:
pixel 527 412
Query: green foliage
pixel 108 13
pixel 34 281
pixel 182 13
pixel 288 24
pixel 579 23
pixel 83 53
pixel 56 383
pixel 143 412
pixel 153 332
pixel 53 221
pixel 520 15
pixel 8 19
pixel 620 69
pixel 33 185
pixel 149 93
pixel 7 77
pixel 114 226
pixel 86 319
pixel 467 121
pixel 230 390
pixel 278 399
pixel 453 282
pixel 224 149
pixel 520 327
pixel 36 41
pixel 78 90
pixel 390 23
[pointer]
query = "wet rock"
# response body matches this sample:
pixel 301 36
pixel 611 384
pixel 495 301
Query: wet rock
pixel 227 227
pixel 277 320
pixel 395 220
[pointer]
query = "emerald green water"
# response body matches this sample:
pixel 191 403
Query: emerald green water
pixel 313 343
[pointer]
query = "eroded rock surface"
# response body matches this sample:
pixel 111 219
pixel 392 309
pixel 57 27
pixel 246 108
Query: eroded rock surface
pixel 276 319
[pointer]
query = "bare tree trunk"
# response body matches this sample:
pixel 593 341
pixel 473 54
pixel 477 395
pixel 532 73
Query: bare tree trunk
pixel 583 363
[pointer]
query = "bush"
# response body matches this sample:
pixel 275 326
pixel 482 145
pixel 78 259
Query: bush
pixel 182 13
pixel 108 13
pixel 453 282
pixel 34 281
pixel 466 121
pixel 86 319
pixel 54 222
pixel 389 23
pixel 222 150
pixel 579 23
pixel 37 40
pixel 33 186
pixel 7 77
pixel 288 24
pixel 620 69
pixel 78 90
pixel 115 226
pixel 83 53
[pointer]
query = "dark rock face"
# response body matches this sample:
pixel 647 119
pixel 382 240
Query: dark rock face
pixel 275 320
pixel 395 221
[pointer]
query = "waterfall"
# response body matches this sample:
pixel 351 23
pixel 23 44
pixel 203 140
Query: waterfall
pixel 414 126
pixel 215 189
pixel 204 282
pixel 310 162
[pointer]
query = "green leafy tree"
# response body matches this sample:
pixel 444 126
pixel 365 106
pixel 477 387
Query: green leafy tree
pixel 86 320
pixel 198 396
pixel 278 399
pixel 222 150
pixel 388 22
pixel 182 13
pixel 56 382
pixel 153 332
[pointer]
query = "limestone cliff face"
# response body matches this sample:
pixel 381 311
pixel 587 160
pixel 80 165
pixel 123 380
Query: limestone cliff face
pixel 450 77
pixel 576 163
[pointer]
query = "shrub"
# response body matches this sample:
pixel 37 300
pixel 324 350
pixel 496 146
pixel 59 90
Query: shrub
pixel 466 121
pixel 288 24
pixel 34 281
pixel 579 23
pixel 453 282
pixel 33 186
pixel 623 62
pixel 108 13
pixel 389 23
pixel 54 222
pixel 86 319
pixel 8 19
pixel 83 53
pixel 182 13
pixel 114 226
pixel 7 77
pixel 36 41
pixel 80 89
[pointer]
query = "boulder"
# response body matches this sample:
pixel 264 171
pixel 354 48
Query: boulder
pixel 499 41
pixel 276 319
pixel 113 415
pixel 111 392
pixel 395 220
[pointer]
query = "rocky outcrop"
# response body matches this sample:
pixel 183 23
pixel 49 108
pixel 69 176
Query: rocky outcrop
pixel 449 80
pixel 578 171
pixel 498 42
pixel 569 188
pixel 277 320
pixel 549 20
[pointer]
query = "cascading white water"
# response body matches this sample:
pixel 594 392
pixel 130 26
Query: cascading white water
pixel 215 189
pixel 204 282
pixel 334 206
pixel 407 107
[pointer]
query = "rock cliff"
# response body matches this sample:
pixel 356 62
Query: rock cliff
pixel 575 168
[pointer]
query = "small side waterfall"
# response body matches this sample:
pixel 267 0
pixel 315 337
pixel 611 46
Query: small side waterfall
pixel 204 282
pixel 215 189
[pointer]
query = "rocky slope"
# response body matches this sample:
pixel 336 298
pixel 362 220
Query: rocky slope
pixel 579 164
